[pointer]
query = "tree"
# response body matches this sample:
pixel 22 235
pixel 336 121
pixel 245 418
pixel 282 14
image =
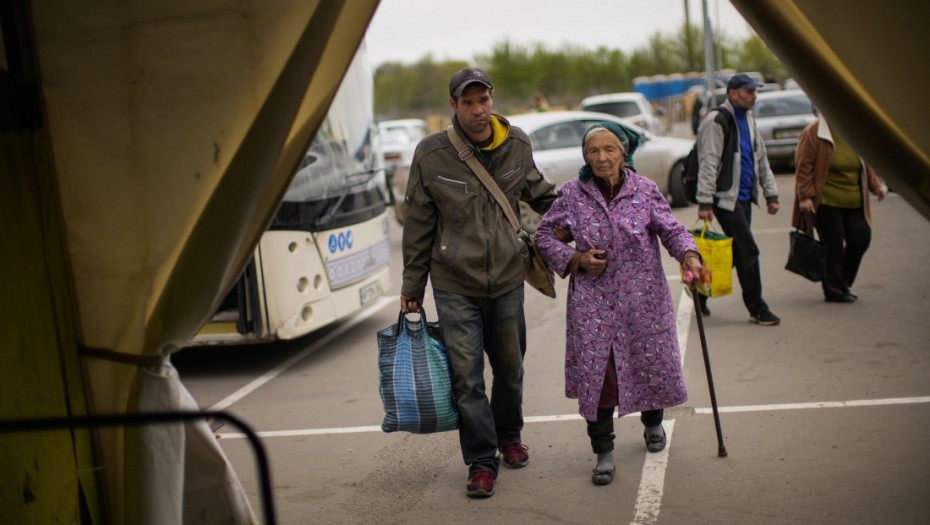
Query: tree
pixel 564 76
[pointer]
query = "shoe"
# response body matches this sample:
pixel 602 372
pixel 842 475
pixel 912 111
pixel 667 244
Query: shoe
pixel 514 455
pixel 480 485
pixel 851 294
pixel 840 298
pixel 655 441
pixel 766 318
pixel 603 476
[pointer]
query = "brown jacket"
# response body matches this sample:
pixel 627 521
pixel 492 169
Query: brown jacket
pixel 454 231
pixel 812 163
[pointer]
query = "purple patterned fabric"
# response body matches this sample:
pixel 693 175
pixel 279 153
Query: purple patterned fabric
pixel 628 309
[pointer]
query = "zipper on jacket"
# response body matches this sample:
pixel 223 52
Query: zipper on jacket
pixel 453 182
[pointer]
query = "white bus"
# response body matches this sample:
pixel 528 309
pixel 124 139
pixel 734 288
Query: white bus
pixel 325 255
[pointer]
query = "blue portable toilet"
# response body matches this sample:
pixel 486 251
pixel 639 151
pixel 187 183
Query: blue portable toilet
pixel 660 86
pixel 676 84
pixel 643 85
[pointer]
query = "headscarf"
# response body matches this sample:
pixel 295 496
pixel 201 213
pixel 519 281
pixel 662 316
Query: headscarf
pixel 628 138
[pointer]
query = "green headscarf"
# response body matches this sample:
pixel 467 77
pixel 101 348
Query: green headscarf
pixel 628 138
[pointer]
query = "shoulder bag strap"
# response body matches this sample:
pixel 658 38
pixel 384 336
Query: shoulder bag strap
pixel 467 156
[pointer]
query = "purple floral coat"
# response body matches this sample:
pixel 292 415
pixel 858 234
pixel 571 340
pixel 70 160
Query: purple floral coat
pixel 627 310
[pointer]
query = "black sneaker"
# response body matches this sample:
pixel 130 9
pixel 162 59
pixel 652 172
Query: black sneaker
pixel 766 318
pixel 702 301
pixel 840 298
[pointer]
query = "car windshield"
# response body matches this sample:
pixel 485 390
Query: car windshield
pixel 783 106
pixel 557 136
pixel 620 109
pixel 567 135
pixel 400 135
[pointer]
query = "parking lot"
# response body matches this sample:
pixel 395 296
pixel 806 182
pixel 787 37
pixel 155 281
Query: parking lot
pixel 824 416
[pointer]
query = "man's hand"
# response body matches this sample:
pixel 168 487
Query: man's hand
pixel 706 215
pixel 562 233
pixel 410 305
pixel 773 208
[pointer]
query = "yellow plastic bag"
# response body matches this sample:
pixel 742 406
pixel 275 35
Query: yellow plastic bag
pixel 717 251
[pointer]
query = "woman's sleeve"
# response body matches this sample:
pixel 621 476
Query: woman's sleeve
pixel 805 156
pixel 673 234
pixel 557 254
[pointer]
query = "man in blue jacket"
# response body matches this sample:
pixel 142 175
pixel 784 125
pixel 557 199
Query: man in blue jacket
pixel 728 193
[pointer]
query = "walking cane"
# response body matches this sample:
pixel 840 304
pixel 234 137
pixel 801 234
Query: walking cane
pixel 721 450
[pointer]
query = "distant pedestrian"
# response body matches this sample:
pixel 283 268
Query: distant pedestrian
pixel 833 183
pixel 540 103
pixel 457 235
pixel 621 348
pixel 727 188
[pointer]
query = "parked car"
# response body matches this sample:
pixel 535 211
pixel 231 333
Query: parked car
pixel 399 139
pixel 720 95
pixel 556 139
pixel 780 116
pixel 631 107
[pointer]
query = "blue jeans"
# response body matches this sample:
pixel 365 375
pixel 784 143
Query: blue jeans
pixel 471 328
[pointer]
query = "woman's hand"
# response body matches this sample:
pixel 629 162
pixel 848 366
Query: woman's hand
pixel 882 191
pixel 593 261
pixel 692 263
pixel 806 205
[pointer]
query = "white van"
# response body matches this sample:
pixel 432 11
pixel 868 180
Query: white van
pixel 628 106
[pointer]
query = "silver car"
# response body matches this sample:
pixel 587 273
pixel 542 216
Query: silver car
pixel 556 139
pixel 780 116
pixel 399 139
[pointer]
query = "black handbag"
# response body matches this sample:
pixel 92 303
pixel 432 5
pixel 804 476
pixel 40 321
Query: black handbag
pixel 807 256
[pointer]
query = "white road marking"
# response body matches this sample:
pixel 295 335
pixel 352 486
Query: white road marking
pixel 575 417
pixel 683 322
pixel 296 358
pixel 821 404
pixel 652 481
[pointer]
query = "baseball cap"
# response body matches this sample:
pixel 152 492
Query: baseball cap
pixel 465 77
pixel 741 80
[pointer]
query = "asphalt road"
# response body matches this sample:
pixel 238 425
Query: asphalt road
pixel 824 417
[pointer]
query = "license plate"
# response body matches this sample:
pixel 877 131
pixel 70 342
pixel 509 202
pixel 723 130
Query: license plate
pixel 369 292
pixel 788 133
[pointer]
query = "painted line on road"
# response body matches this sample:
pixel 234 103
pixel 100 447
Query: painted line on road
pixel 683 321
pixel 270 375
pixel 822 404
pixel 574 417
pixel 652 481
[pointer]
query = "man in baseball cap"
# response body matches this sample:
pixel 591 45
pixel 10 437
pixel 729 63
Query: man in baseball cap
pixel 465 77
pixel 464 246
pixel 729 185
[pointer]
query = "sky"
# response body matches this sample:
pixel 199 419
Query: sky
pixel 406 30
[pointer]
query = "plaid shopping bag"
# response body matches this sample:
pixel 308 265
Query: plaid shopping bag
pixel 717 251
pixel 415 380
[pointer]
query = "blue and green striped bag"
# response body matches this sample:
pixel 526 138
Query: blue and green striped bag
pixel 415 381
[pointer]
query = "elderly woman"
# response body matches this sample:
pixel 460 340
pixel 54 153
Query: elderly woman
pixel 621 346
